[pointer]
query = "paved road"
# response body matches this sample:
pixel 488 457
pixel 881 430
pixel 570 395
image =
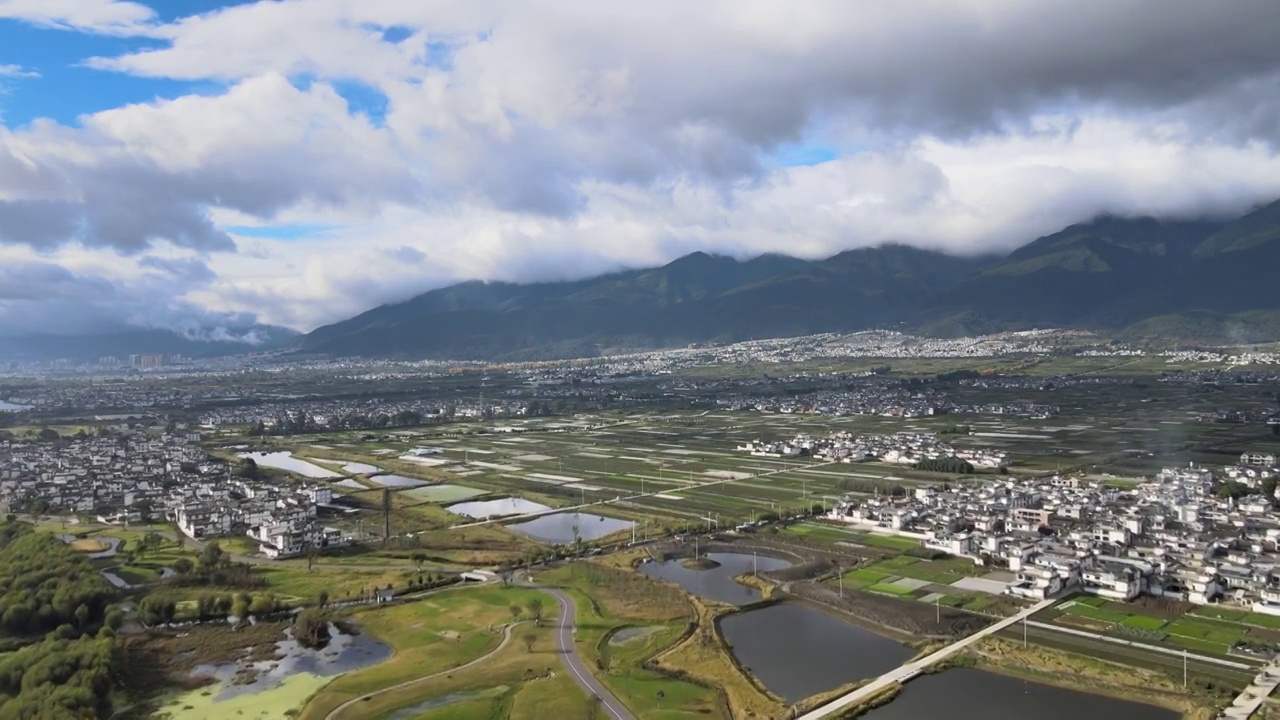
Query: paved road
pixel 912 669
pixel 337 712
pixel 569 656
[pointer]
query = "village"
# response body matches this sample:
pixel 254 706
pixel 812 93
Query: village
pixel 122 478
pixel 1189 534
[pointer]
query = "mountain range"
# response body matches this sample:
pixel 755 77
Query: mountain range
pixel 1197 280
pixel 1194 281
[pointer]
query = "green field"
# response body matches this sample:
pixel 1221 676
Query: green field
pixel 890 589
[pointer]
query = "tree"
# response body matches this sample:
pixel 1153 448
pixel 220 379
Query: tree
pixel 182 566
pixel 311 628
pixel 240 607
pixel 596 707
pixel 419 559
pixel 312 553
pixel 515 611
pixel 535 609
pixel 323 598
pixel 1269 487
pixel 48 434
pixel 206 606
pixel 1232 489
pixel 529 640
pixel 249 468
pixel 211 556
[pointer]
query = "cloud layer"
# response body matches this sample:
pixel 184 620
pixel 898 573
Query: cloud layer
pixel 539 139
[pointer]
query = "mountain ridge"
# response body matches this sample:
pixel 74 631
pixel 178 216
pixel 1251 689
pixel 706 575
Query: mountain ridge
pixel 1111 273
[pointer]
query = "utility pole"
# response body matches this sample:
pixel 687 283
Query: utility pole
pixel 755 571
pixel 937 610
pixel 386 515
pixel 841 576
pixel 1184 669
pixel 1024 631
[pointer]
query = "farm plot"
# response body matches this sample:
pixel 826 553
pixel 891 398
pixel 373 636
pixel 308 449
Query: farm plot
pixel 443 493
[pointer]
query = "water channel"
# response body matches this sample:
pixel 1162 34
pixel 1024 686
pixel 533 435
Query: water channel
pixel 716 583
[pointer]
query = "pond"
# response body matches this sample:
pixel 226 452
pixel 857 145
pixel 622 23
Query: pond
pixel 797 651
pixel 559 528
pixel 286 461
pixel 969 694
pixel 717 583
pixel 12 407
pixel 482 509
pixel 398 481
pixel 280 684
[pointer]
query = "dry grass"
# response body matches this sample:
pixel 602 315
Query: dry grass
pixel 89 545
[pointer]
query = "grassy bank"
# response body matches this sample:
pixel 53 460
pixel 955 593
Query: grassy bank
pixel 1090 675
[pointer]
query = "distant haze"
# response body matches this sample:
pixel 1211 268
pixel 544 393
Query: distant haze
pixel 295 163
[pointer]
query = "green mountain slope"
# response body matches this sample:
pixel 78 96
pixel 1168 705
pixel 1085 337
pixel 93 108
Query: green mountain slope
pixel 1150 276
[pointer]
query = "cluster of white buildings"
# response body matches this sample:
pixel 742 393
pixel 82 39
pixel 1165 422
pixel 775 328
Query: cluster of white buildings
pixel 1171 536
pixel 283 520
pixel 900 449
pixel 140 477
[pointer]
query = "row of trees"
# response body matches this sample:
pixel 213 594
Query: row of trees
pixel 946 465
pixel 159 609
pixel 302 423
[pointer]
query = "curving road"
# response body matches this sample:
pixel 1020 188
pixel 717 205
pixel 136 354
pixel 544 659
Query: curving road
pixel 565 626
pixel 506 638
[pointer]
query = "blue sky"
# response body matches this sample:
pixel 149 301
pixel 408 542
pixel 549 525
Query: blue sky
pixel 331 155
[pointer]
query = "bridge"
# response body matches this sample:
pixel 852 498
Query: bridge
pixel 906 672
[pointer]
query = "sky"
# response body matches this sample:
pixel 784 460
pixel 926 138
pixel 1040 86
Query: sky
pixel 194 164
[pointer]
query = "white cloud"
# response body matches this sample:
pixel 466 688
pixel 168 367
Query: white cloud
pixel 547 139
pixel 104 16
pixel 17 71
